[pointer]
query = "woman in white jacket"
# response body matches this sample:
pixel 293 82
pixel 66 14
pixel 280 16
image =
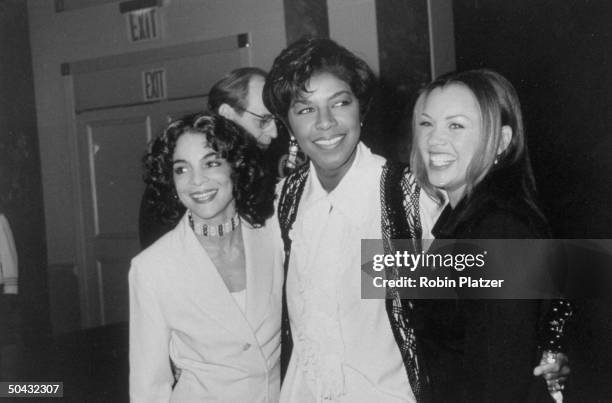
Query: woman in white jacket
pixel 206 297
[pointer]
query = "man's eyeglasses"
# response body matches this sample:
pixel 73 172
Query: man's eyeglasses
pixel 264 120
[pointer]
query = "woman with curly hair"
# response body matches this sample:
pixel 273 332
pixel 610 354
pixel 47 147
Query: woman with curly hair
pixel 206 297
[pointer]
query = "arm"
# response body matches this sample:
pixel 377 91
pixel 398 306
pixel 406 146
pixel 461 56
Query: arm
pixel 501 342
pixel 8 258
pixel 502 335
pixel 150 373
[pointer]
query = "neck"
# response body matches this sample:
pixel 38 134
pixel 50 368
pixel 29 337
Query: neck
pixel 221 244
pixel 330 178
pixel 329 181
pixel 455 196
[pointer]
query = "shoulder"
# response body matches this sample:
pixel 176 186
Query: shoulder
pixel 367 158
pixel 279 185
pixel 265 241
pixel 504 219
pixel 5 231
pixel 158 255
pixel 377 160
pixel 4 222
pixel 398 181
pixel 291 187
pixel 269 230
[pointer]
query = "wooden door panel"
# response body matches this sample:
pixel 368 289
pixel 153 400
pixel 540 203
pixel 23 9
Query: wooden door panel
pixel 112 144
pixel 113 282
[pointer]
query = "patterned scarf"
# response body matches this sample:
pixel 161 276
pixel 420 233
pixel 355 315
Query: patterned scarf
pixel 401 220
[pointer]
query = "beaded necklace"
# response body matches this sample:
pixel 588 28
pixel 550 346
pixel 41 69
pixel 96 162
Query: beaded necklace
pixel 214 230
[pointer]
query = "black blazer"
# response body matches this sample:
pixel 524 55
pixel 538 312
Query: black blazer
pixel 483 350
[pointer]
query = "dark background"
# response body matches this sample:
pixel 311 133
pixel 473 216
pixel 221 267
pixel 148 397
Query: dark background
pixel 558 54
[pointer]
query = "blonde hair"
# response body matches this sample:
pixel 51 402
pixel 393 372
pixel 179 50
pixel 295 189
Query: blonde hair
pixel 499 106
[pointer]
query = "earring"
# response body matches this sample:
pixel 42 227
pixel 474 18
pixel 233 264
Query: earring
pixel 360 124
pixel 291 162
pixel 495 161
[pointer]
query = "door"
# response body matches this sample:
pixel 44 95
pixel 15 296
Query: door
pixel 120 104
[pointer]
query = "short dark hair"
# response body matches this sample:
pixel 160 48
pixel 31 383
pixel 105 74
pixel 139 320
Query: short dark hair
pixel 253 187
pixel 295 65
pixel 233 89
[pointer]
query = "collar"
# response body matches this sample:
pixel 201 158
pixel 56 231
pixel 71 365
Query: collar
pixel 353 195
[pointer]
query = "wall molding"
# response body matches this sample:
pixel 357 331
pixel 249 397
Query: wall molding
pixel 217 45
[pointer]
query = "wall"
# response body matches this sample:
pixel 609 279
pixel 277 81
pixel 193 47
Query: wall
pixel 353 24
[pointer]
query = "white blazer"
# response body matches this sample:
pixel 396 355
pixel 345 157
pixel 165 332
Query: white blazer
pixel 180 309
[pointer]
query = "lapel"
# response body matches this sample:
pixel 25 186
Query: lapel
pixel 260 270
pixel 207 289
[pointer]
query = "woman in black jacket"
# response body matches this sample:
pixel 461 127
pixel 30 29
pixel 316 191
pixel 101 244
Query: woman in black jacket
pixel 469 150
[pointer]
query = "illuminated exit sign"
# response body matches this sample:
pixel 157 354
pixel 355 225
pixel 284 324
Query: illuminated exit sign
pixel 143 25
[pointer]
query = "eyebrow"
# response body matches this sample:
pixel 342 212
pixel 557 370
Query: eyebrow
pixel 213 154
pixel 342 92
pixel 299 101
pixel 305 101
pixel 459 115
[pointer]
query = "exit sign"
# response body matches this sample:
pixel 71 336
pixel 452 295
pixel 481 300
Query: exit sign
pixel 143 25
pixel 154 85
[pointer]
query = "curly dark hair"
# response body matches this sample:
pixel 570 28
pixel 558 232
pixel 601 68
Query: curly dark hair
pixel 296 64
pixel 253 186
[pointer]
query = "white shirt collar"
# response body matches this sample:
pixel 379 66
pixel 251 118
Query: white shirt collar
pixel 352 196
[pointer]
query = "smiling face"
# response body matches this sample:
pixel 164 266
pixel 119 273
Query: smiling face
pixel 263 131
pixel 448 135
pixel 325 122
pixel 202 180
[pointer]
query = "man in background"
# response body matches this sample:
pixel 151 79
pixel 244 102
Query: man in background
pixel 238 97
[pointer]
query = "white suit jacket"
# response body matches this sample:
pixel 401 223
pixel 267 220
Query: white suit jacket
pixel 181 309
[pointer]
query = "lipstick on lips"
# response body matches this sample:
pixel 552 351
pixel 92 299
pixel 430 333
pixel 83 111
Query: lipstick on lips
pixel 203 196
pixel 329 143
pixel 440 160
